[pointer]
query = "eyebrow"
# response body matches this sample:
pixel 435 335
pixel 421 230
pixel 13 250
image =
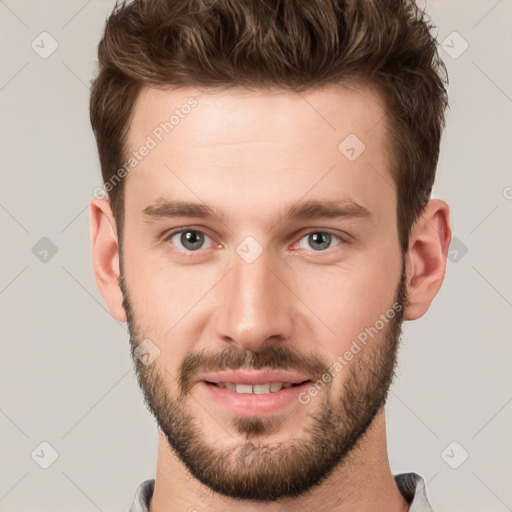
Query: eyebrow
pixel 311 209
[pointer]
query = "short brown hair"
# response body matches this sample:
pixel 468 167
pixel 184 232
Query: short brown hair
pixel 290 44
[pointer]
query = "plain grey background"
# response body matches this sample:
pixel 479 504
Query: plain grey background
pixel 66 373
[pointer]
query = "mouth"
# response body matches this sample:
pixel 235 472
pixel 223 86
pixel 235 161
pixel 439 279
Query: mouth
pixel 256 389
pixel 249 400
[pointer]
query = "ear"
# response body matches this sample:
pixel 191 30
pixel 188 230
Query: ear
pixel 105 256
pixel 429 242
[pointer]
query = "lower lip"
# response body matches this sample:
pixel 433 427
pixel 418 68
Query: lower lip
pixel 245 404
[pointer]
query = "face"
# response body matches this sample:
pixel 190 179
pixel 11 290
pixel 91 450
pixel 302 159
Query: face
pixel 260 248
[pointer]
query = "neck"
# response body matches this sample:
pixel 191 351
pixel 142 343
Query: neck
pixel 364 482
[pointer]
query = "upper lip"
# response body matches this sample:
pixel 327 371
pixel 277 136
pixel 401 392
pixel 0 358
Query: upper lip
pixel 254 377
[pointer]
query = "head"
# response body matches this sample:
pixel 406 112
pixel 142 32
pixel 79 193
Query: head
pixel 306 135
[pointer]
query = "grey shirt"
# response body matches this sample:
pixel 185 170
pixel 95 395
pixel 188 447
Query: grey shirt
pixel 410 485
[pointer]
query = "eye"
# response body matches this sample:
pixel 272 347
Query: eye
pixel 190 240
pixel 319 240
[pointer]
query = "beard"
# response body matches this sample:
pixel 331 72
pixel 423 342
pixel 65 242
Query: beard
pixel 253 469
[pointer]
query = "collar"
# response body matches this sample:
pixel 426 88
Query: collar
pixel 411 485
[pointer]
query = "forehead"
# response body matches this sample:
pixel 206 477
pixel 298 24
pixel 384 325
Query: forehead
pixel 229 115
pixel 261 142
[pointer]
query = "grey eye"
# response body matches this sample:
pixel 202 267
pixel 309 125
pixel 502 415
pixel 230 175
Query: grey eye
pixel 190 239
pixel 319 240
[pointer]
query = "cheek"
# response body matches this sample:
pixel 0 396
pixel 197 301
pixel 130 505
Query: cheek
pixel 348 299
pixel 162 290
pixel 166 301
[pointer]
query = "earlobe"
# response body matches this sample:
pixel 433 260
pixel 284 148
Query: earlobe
pixel 426 257
pixel 105 256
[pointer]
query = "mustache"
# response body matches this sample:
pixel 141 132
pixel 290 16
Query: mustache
pixel 275 357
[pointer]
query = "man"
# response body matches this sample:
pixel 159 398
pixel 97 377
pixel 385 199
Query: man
pixel 264 227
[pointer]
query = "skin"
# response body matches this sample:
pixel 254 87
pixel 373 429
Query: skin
pixel 251 154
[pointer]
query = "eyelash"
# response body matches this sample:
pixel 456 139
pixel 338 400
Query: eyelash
pixel 188 252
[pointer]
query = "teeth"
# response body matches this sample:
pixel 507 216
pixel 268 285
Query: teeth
pixel 257 389
pixel 244 388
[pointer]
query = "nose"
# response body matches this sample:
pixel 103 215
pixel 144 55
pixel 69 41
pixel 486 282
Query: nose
pixel 254 304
